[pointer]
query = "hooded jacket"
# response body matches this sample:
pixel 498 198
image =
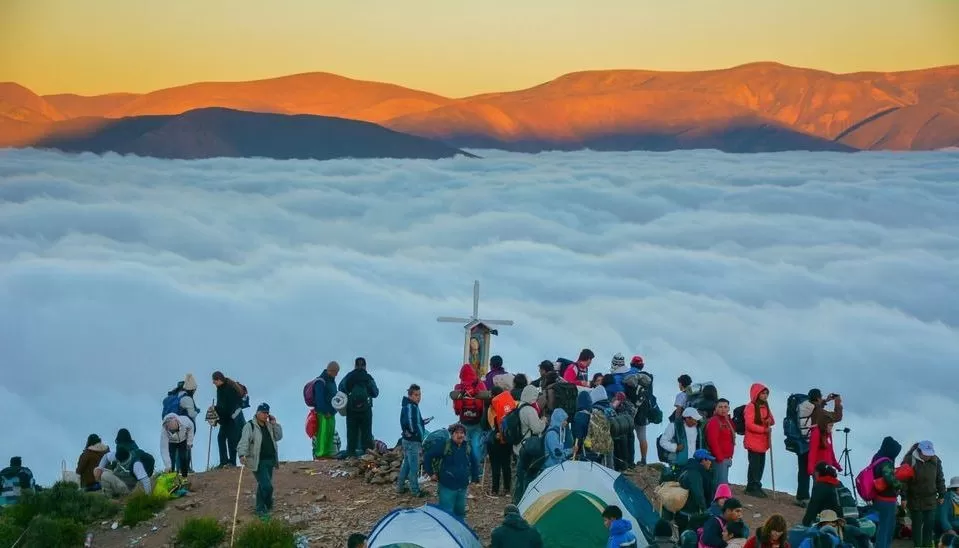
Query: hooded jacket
pixel 495 370
pixel 886 470
pixel 324 389
pixel 411 422
pixel 530 422
pixel 698 481
pixel 580 425
pixel 621 535
pixel 469 387
pixel 88 462
pixel 757 428
pixel 182 434
pixel 515 532
pixel 598 396
pixel 455 469
pixel 722 492
pixel 555 449
pixel 821 449
pixel 721 437
pixel 825 496
pixel 678 433
pixel 359 375
pixel 925 489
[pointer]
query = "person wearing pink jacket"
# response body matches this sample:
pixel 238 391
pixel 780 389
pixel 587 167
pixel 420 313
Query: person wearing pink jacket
pixel 759 422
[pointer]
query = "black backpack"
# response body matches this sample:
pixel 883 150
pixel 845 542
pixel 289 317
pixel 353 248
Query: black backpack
pixel 512 428
pixel 564 397
pixel 739 420
pixel 563 365
pixel 146 459
pixel 358 400
pixel 533 453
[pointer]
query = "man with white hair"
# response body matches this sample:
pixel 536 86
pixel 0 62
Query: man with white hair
pixel 176 443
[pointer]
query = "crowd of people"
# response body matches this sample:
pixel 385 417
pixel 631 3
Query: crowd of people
pixel 520 426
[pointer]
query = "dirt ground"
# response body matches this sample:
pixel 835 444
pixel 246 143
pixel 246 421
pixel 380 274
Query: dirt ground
pixel 329 505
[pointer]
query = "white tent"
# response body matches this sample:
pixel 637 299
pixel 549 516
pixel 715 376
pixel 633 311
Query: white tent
pixel 565 503
pixel 423 527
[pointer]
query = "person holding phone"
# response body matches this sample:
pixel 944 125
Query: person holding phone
pixel 258 451
pixel 413 427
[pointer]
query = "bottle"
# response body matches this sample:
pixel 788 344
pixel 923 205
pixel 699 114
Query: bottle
pixel 88 543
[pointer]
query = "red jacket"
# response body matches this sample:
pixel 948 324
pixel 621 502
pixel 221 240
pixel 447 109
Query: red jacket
pixel 721 437
pixel 825 453
pixel 469 405
pixel 757 439
pixel 753 542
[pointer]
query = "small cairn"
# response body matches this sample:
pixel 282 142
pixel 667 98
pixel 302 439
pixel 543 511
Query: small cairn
pixel 378 466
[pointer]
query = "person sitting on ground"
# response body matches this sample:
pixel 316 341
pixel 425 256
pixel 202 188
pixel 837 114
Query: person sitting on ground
pixel 88 461
pixel 515 532
pixel 697 478
pixel 176 442
pixel 15 480
pixel 121 471
pixel 739 529
pixel 949 509
pixel 716 534
pixel 679 403
pixel 663 535
pixel 923 494
pixel 771 534
pixel 413 429
pixel 948 540
pixel 620 530
pixel 452 465
pixel 682 439
pixel 356 540
pixel 520 381
pixel 825 493
pixel 578 372
pixel 827 532
pixel 258 451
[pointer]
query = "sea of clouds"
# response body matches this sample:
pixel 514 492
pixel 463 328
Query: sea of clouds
pixel 118 275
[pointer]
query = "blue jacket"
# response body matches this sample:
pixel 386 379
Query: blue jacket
pixel 713 531
pixel 948 518
pixel 323 391
pixel 621 535
pixel 455 469
pixel 411 422
pixel 555 449
pixel 581 420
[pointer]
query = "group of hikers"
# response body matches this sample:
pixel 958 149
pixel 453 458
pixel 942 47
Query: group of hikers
pixel 524 426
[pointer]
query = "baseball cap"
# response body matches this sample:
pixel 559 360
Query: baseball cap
pixel 702 454
pixel 926 448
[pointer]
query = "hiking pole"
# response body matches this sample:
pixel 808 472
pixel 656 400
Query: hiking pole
pixel 236 506
pixel 772 462
pixel 209 440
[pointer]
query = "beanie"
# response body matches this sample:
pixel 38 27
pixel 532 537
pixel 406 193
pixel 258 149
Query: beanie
pixel 510 509
pixel 189 383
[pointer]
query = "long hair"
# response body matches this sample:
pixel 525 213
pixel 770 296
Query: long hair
pixel 774 522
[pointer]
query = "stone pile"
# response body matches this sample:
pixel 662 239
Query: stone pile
pixel 377 468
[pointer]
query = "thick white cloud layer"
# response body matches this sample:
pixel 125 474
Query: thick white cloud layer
pixel 119 275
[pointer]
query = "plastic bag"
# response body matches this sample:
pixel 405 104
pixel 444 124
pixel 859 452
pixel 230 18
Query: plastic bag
pixel 311 424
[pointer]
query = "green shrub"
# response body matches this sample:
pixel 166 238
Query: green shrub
pixel 9 531
pixel 62 501
pixel 141 507
pixel 267 534
pixel 200 533
pixel 53 533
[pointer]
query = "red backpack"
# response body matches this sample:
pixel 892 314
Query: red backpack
pixel 469 408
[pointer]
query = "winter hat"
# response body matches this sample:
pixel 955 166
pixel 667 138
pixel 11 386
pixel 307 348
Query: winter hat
pixel 723 492
pixel 16 462
pixel 189 383
pixel 510 509
pixel 123 436
pixel 263 408
pixel 496 362
pixel 618 361
pixel 92 439
pixel 637 362
pixel 663 529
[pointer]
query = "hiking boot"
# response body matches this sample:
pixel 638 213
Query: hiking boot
pixel 802 503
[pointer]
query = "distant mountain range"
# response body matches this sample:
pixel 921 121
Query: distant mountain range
pixel 749 108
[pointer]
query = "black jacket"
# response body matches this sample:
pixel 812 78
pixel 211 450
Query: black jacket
pixel 825 496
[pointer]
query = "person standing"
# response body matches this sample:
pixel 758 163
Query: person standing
pixel 360 389
pixel 229 416
pixel 922 495
pixel 759 422
pixel 258 451
pixel 469 397
pixel 578 372
pixel 324 389
pixel 452 465
pixel 721 441
pixel 413 429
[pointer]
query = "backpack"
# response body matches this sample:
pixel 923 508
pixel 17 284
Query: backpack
pixel 739 420
pixel 795 441
pixel 699 532
pixel 244 396
pixel 621 426
pixel 358 400
pixel 308 393
pixel 866 481
pixel 171 404
pixel 661 453
pixel 653 413
pixel 564 397
pixel 511 428
pixel 146 459
pixel 533 453
pixel 598 437
pixel 703 398
pixel 447 451
pixel 563 365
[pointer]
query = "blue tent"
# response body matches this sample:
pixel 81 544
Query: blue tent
pixel 425 527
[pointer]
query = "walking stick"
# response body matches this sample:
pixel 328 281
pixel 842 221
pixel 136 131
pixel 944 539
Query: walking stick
pixel 772 462
pixel 209 441
pixel 236 506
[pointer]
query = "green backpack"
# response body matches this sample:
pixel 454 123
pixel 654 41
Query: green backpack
pixel 358 400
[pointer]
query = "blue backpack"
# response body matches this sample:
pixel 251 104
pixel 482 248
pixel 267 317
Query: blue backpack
pixel 171 404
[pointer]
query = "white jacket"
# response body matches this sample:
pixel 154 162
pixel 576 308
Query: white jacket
pixel 183 434
pixel 530 422
pixel 806 409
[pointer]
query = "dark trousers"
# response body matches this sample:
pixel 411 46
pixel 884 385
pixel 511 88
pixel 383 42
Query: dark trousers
pixel 500 461
pixel 923 523
pixel 621 452
pixel 802 476
pixel 227 438
pixel 359 432
pixel 179 457
pixel 754 474
pixel 264 486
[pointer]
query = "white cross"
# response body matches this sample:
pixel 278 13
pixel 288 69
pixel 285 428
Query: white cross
pixel 472 320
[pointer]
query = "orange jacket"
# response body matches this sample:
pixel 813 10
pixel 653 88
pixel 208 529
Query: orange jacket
pixel 757 436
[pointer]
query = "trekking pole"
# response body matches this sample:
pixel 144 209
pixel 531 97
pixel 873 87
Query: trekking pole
pixel 236 506
pixel 209 441
pixel 772 462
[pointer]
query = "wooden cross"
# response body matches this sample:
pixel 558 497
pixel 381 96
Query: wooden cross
pixel 472 322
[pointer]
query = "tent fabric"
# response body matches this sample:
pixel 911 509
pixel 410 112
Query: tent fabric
pixel 425 527
pixel 565 503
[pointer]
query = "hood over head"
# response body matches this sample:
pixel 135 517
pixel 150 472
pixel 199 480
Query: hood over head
pixel 598 394
pixel 583 400
pixel 529 394
pixel 755 390
pixel 889 449
pixel 557 418
pixel 723 492
pixel 467 374
pixel 123 436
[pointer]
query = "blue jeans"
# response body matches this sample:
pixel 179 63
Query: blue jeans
pixel 453 500
pixel 477 439
pixel 410 469
pixel 887 523
pixel 264 486
pixel 721 471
